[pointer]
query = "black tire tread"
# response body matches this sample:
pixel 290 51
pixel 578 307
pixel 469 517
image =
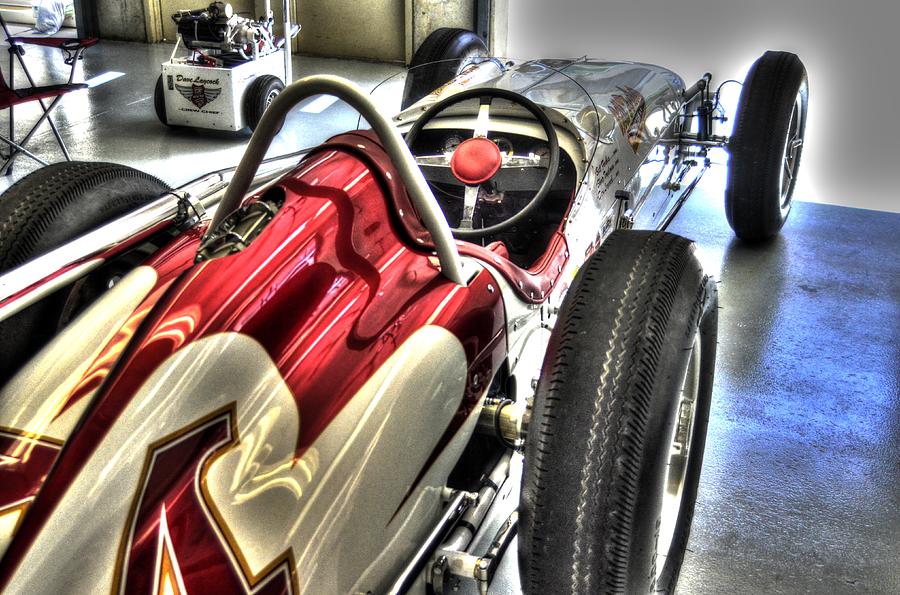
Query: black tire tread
pixel 255 98
pixel 31 207
pixel 752 195
pixel 43 211
pixel 435 45
pixel 439 45
pixel 609 472
pixel 159 101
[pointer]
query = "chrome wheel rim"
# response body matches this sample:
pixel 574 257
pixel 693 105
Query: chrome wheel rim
pixel 680 444
pixel 271 97
pixel 792 145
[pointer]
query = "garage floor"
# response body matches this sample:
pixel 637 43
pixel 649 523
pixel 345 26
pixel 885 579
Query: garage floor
pixel 799 493
pixel 115 121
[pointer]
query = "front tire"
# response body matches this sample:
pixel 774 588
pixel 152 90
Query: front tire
pixel 615 444
pixel 766 146
pixel 46 209
pixel 440 58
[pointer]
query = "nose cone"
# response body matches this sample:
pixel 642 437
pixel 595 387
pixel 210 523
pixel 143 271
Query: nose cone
pixel 475 161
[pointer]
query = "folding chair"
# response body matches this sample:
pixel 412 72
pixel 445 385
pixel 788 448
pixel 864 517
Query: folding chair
pixel 11 97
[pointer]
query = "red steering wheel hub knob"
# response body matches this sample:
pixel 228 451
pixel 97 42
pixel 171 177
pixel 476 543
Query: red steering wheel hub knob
pixel 475 161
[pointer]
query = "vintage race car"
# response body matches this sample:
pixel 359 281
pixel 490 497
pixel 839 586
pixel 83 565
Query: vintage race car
pixel 316 373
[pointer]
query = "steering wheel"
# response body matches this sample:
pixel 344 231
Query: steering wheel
pixel 476 160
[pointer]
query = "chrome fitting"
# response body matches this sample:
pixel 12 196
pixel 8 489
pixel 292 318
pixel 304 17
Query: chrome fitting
pixel 506 420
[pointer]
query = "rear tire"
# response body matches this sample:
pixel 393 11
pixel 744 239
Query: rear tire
pixel 258 96
pixel 766 146
pixel 44 210
pixel 159 101
pixel 627 376
pixel 442 56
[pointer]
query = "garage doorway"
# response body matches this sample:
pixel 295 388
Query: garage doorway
pixel 20 16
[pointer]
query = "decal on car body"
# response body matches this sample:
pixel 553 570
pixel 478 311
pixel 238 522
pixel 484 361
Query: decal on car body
pixel 629 109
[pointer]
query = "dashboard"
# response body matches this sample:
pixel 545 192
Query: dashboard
pixel 524 167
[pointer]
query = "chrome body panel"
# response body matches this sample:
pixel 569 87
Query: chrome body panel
pixel 617 111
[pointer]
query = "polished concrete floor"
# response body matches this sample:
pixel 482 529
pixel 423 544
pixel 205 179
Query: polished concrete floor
pixel 115 121
pixel 800 492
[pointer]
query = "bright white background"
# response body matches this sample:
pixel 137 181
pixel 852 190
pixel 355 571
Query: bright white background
pixel 851 50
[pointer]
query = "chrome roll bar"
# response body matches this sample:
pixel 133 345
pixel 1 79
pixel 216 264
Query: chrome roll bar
pixel 419 192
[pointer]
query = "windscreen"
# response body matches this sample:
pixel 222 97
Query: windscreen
pixel 596 98
pixel 547 83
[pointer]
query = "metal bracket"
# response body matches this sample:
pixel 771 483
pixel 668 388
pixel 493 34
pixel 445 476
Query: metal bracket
pixel 190 210
pixel 689 138
pixel 451 565
pixel 481 569
pixel 626 215
pixel 505 420
pixel 458 505
pixel 487 565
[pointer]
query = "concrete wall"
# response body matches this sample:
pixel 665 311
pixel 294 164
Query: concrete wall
pixel 371 30
pixel 428 15
pixel 121 19
pixel 380 30
pixel 498 38
pixel 850 50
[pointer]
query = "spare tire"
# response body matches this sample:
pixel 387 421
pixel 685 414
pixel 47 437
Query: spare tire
pixel 766 146
pixel 440 58
pixel 41 212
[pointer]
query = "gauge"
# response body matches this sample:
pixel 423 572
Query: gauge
pixel 504 145
pixel 451 142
